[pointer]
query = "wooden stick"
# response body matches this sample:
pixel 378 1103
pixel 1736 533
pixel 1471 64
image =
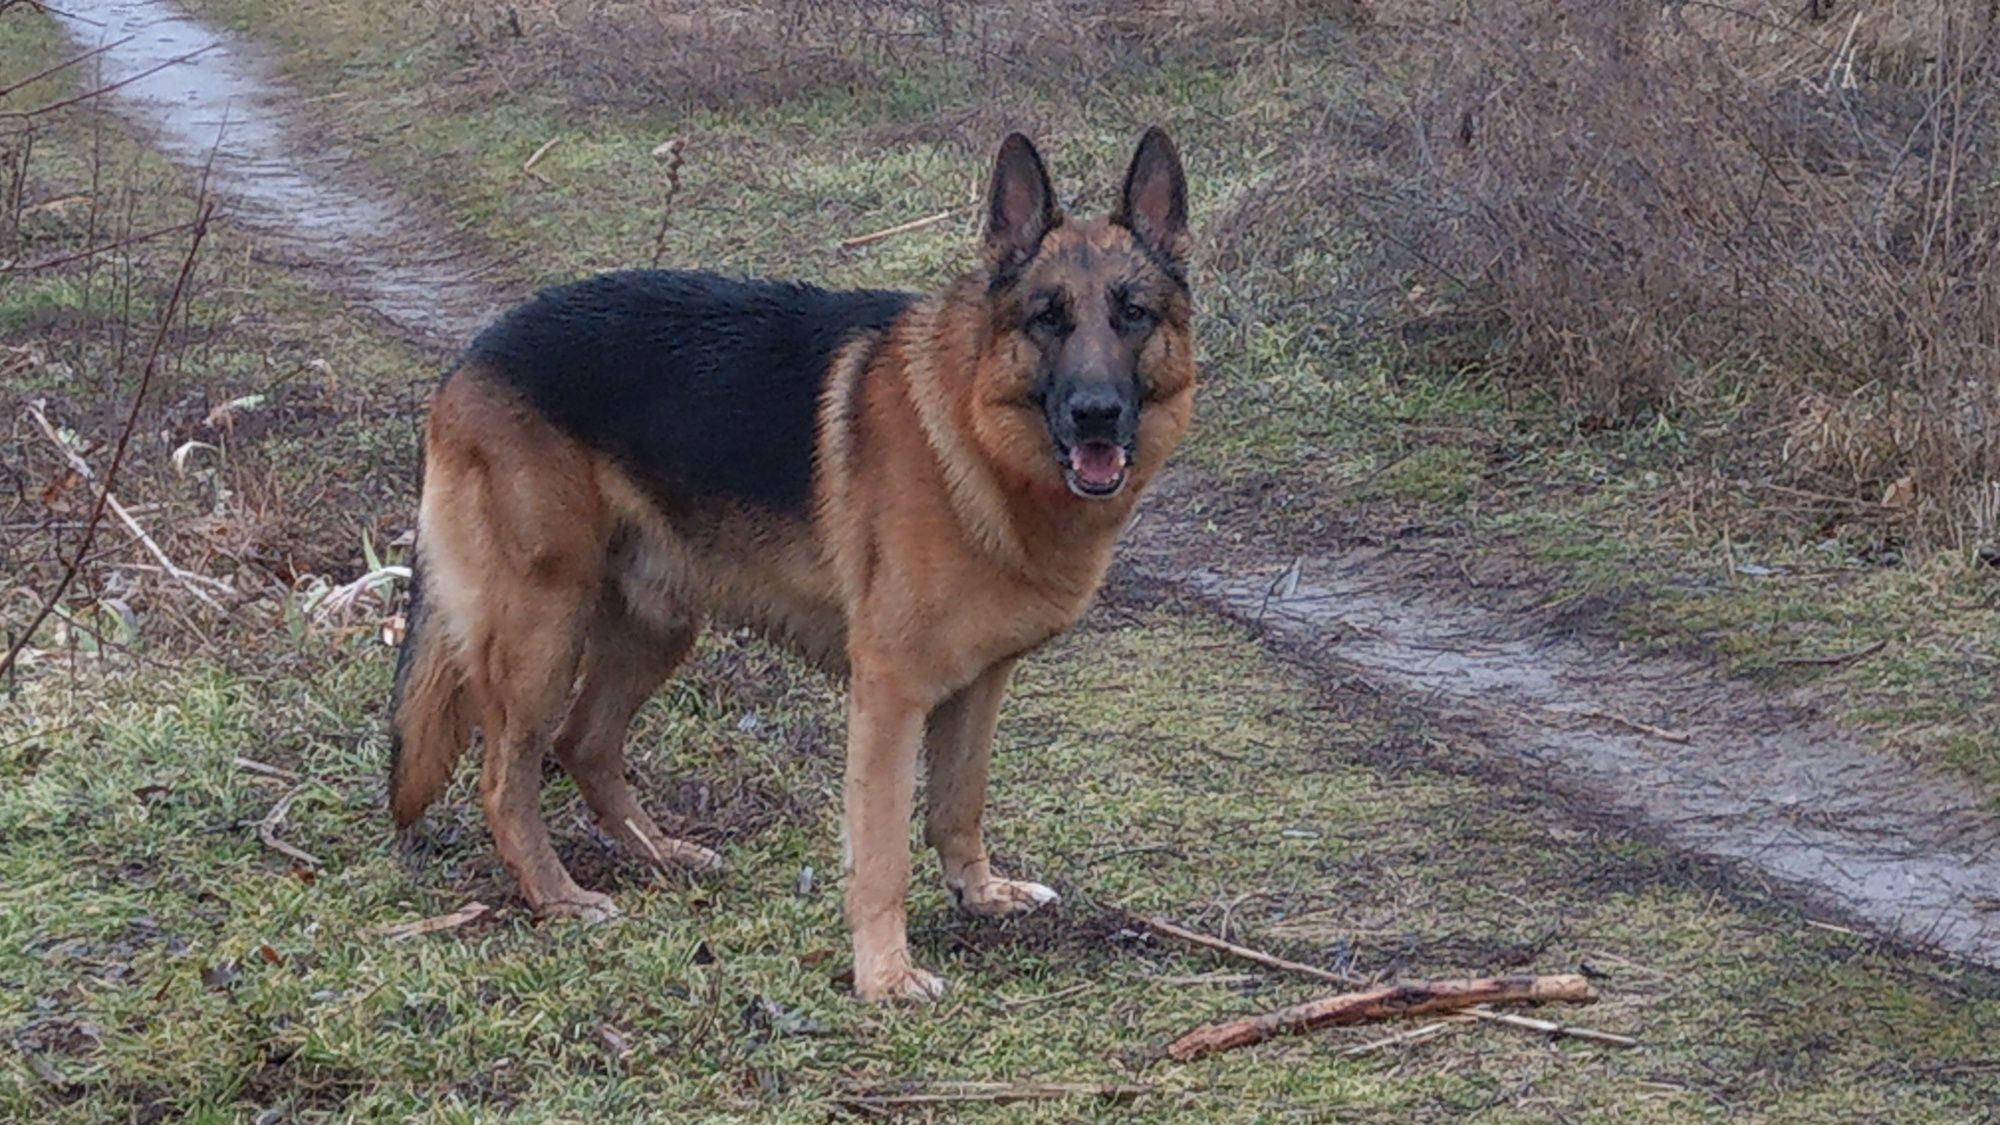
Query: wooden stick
pixel 1411 998
pixel 404 931
pixel 1552 1028
pixel 1414 1035
pixel 252 765
pixel 267 831
pixel 528 166
pixel 1168 929
pixel 873 237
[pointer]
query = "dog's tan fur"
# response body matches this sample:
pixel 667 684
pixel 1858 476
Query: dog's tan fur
pixel 942 545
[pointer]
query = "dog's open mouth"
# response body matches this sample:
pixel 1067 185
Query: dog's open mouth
pixel 1095 469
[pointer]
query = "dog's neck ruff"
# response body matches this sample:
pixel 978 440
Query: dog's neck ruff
pixel 976 498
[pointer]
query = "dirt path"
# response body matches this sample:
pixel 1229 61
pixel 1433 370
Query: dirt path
pixel 218 110
pixel 1691 759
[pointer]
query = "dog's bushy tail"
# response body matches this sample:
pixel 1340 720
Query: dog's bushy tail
pixel 430 715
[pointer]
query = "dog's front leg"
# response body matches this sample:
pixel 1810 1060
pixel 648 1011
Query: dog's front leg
pixel 959 745
pixel 885 724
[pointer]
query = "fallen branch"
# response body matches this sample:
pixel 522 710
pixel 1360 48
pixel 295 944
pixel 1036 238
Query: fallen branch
pixel 404 931
pixel 879 1100
pixel 252 765
pixel 267 831
pixel 873 237
pixel 1411 998
pixel 528 166
pixel 1551 1028
pixel 1168 929
pixel 1831 659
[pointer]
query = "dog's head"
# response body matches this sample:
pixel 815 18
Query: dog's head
pixel 1088 379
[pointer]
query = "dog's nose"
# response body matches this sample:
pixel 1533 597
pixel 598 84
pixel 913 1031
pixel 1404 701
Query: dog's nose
pixel 1096 414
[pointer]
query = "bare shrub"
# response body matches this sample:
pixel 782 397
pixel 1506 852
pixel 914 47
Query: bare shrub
pixel 638 54
pixel 1640 205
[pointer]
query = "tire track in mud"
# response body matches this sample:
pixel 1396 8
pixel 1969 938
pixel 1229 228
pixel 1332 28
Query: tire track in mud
pixel 1689 757
pixel 1726 773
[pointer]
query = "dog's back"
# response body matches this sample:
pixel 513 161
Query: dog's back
pixel 701 385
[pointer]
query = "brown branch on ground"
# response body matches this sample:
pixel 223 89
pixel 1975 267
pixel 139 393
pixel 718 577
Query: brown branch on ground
pixel 1679 736
pixel 1397 1001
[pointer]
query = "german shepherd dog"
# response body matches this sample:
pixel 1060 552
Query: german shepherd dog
pixel 914 492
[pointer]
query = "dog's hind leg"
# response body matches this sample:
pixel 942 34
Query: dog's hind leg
pixel 517 539
pixel 624 663
pixel 958 744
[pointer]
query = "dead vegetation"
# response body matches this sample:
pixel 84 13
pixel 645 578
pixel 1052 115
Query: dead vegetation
pixel 1787 214
pixel 625 54
pixel 151 419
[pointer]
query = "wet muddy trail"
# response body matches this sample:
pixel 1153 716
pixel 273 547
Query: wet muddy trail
pixel 210 106
pixel 1684 756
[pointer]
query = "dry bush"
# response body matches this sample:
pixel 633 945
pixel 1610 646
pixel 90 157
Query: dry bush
pixel 1640 205
pixel 634 54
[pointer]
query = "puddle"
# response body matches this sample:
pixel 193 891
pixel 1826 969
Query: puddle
pixel 219 101
pixel 1710 767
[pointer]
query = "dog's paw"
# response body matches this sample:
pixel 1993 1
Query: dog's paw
pixel 584 906
pixel 903 982
pixel 669 854
pixel 1004 898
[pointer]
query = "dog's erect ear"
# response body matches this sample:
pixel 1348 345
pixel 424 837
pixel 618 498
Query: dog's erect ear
pixel 1153 205
pixel 1020 205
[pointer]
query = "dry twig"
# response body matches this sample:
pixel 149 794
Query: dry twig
pixel 267 831
pixel 1168 929
pixel 528 165
pixel 1411 998
pixel 404 931
pixel 188 578
pixel 1551 1028
pixel 873 237
pixel 1679 736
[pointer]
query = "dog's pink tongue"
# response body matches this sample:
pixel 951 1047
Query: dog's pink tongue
pixel 1097 462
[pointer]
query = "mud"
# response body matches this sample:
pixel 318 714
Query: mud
pixel 1701 763
pixel 220 112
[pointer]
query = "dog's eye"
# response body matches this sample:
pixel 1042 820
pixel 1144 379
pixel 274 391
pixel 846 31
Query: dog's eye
pixel 1051 318
pixel 1136 315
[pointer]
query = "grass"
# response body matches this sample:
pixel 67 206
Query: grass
pixel 159 957
pixel 160 961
